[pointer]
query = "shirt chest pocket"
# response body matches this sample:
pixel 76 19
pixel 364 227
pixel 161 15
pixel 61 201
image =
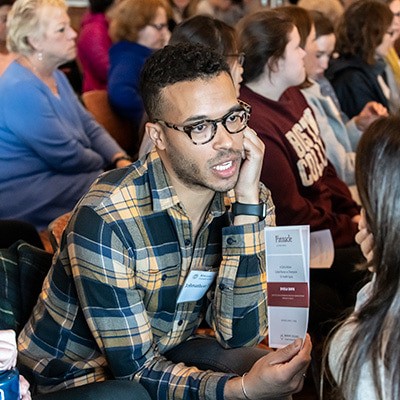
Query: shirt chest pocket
pixel 158 277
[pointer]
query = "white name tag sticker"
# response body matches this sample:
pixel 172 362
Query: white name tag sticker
pixel 196 285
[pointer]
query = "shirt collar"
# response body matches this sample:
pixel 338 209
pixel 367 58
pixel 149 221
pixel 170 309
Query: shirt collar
pixel 164 195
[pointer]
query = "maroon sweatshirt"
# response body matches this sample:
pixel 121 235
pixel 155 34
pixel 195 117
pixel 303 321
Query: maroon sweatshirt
pixel 305 187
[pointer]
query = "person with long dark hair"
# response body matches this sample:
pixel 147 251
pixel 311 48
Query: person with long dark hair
pixel 364 353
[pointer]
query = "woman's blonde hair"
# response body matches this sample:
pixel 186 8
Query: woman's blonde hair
pixel 24 21
pixel 131 16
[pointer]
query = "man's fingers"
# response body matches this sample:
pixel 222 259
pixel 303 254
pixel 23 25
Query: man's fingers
pixel 286 353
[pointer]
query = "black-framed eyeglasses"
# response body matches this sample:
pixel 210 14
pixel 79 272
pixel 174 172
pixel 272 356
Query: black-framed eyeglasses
pixel 239 56
pixel 159 27
pixel 204 131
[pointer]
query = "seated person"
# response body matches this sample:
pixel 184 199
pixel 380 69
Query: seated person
pixel 304 184
pixel 225 10
pixel 363 40
pixel 51 149
pixel 340 139
pixel 180 10
pixel 137 28
pixel 93 46
pixel 110 309
pixel 364 353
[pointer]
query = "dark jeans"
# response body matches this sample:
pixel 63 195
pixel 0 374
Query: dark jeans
pixel 123 390
pixel 207 354
pixel 204 353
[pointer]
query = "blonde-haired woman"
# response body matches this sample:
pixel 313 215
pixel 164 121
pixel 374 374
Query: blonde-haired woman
pixel 51 149
pixel 137 28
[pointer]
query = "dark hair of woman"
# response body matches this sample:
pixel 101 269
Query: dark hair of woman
pixel 361 29
pixel 323 25
pixel 375 337
pixel 207 31
pixel 301 19
pixel 263 38
pixel 304 23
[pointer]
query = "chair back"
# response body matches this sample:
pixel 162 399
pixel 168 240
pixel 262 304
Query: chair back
pixel 56 229
pixel 122 130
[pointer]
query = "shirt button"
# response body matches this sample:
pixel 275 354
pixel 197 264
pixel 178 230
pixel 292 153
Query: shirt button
pixel 180 322
pixel 164 277
pixel 188 242
pixel 230 240
pixel 222 286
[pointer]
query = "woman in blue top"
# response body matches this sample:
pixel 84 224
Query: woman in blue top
pixel 51 149
pixel 137 28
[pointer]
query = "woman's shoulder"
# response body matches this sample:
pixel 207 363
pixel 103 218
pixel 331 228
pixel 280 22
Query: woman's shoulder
pixel 16 78
pixel 347 68
pixel 338 347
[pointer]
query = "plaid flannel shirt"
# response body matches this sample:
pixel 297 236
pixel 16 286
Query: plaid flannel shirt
pixel 108 307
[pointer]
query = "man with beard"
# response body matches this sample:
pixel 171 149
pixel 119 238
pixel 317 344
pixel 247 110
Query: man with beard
pixel 157 249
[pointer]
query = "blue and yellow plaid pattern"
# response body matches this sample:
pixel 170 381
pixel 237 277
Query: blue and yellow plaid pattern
pixel 108 307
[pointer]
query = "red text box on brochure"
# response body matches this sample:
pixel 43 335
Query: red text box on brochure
pixel 282 294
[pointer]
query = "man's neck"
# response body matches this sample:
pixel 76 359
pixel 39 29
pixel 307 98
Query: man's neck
pixel 195 201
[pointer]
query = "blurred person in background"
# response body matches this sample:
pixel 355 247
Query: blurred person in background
pixel 181 10
pixel 392 58
pixel 93 45
pixel 51 149
pixel 304 184
pixel 225 10
pixel 332 9
pixel 137 28
pixel 364 38
pixel 340 139
pixel 5 56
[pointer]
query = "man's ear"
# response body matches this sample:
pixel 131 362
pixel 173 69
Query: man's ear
pixel 156 134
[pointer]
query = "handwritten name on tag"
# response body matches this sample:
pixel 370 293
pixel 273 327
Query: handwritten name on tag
pixel 196 285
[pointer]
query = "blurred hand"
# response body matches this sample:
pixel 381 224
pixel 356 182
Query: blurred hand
pixel 24 388
pixel 365 238
pixel 8 349
pixel 371 111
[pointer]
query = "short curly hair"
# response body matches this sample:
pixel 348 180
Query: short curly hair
pixel 361 29
pixel 176 63
pixel 25 20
